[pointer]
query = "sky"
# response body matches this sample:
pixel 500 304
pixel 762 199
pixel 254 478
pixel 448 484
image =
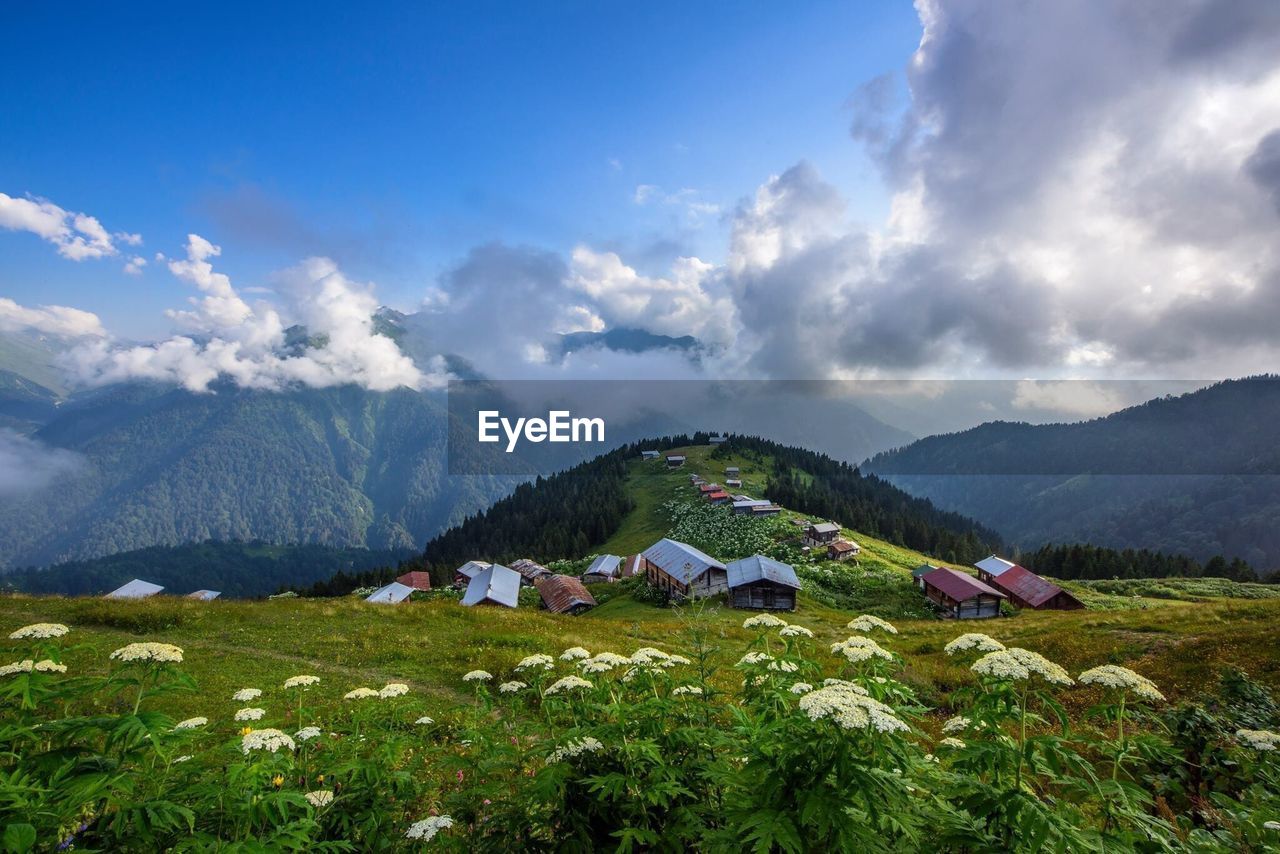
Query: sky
pixel 972 189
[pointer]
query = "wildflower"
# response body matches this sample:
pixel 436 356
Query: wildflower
pixel 360 694
pixel 603 662
pixel 427 829
pixel 844 684
pixel 269 740
pixel 869 623
pixel 950 741
pixel 511 687
pixel 1016 663
pixel 305 681
pixel 957 724
pixel 975 641
pixel 161 653
pixel 40 631
pixel 307 733
pixel 1043 667
pixel 649 655
pixel 50 666
pixel 1259 739
pixel 858 649
pixel 531 661
pixel 754 658
pixel 424 721
pixel 1122 679
pixel 277 780
pixel 246 730
pixel 190 723
pixel 684 690
pixel 784 666
pixel 673 660
pixel 574 653
pixel 183 758
pixel 850 710
pixel 794 632
pixel 567 683
pixel 478 676
pixel 1271 825
pixel 801 688
pixel 393 689
pixel 250 714
pixel 571 749
pixel 24 666
pixel 763 621
pixel 244 695
pixel 320 798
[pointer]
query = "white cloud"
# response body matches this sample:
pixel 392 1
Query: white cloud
pixel 134 265
pixel 28 466
pixel 77 236
pixel 687 200
pixel 49 319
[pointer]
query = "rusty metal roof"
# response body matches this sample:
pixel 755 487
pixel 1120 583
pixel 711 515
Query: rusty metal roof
pixel 417 579
pixel 529 568
pixel 1022 583
pixel 564 593
pixel 958 585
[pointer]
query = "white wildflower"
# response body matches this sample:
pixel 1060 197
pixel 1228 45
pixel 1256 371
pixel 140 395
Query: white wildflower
pixel 191 723
pixel 784 666
pixel 957 724
pixel 844 684
pixel 574 653
pixel 1122 679
pixel 24 666
pixel 511 687
pixel 858 649
pixel 683 690
pixel 567 683
pixel 250 714
pixel 307 733
pixel 850 709
pixel 588 744
pixel 795 632
pixel 540 660
pixel 1271 825
pixel 184 758
pixel 360 694
pixel 1041 666
pixel 393 689
pixel 478 676
pixel 269 740
pixel 40 631
pixel 320 798
pixel 162 653
pixel 951 741
pixel 603 662
pixel 763 621
pixel 427 829
pixel 424 721
pixel 649 655
pixel 754 658
pixel 870 623
pixel 244 695
pixel 801 688
pixel 973 641
pixel 1259 739
pixel 1016 663
pixel 673 660
pixel 50 666
pixel 304 681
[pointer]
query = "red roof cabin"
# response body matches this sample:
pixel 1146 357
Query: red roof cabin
pixel 961 596
pixel 417 579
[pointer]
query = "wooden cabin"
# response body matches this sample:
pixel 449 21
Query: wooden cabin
pixel 762 584
pixel 683 571
pixel 390 594
pixel 649 455
pixel 564 594
pixel 821 534
pixel 1024 588
pixel 920 572
pixel 462 575
pixel 674 461
pixel 495 585
pixel 605 568
pixel 719 496
pixel 417 579
pixel 843 550
pixel 732 471
pixel 530 570
pixel 766 509
pixel 961 596
pixel 733 483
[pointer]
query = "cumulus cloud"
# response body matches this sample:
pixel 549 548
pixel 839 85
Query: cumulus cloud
pixel 49 319
pixel 686 200
pixel 28 466
pixel 333 340
pixel 77 236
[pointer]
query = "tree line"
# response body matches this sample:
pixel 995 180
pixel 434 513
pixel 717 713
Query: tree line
pixel 1085 562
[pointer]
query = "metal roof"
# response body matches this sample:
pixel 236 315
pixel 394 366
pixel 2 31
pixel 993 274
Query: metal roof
pixel 845 546
pixel 825 528
pixel 731 470
pixel 472 568
pixel 681 561
pixel 529 568
pixel 136 589
pixel 497 584
pixel 923 569
pixel 632 565
pixel 675 456
pixel 752 502
pixel 995 565
pixel 205 595
pixel 392 594
pixel 604 565
pixel 760 568
pixel 959 585
pixel 563 593
pixel 417 579
pixel 1024 584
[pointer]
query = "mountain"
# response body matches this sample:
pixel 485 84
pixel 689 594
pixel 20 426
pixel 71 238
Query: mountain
pixel 236 570
pixel 625 340
pixel 1193 474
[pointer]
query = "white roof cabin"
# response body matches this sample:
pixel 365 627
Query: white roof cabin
pixel 995 566
pixel 471 568
pixel 136 589
pixel 497 585
pixel 392 594
pixel 204 595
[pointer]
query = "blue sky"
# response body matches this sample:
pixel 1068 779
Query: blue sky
pixel 396 139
